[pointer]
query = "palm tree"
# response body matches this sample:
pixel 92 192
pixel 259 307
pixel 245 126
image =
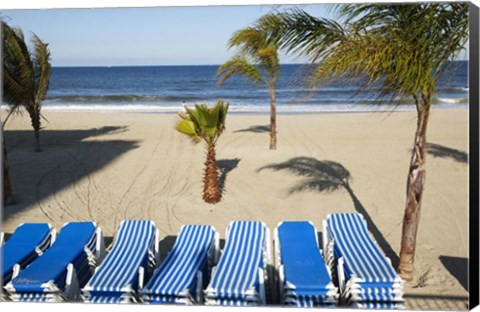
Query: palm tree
pixel 207 124
pixel 257 60
pixel 400 48
pixel 26 75
pixel 8 40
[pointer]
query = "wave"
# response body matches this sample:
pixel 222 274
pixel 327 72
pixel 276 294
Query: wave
pixel 462 100
pixel 247 108
pixel 120 98
pixel 158 102
pixel 452 89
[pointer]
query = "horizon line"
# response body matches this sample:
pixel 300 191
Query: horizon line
pixel 166 65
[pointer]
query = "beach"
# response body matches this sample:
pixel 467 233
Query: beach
pixel 111 166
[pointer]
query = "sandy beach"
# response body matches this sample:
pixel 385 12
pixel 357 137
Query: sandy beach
pixel 107 167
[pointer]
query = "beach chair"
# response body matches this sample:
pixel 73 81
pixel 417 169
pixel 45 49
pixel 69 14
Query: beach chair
pixel 304 278
pixel 365 275
pixel 127 266
pixel 242 273
pixel 27 243
pixel 181 276
pixel 59 273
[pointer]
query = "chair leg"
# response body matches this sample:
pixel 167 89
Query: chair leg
pixel 217 247
pixel 199 298
pixel 16 270
pixel 281 281
pixel 141 276
pixel 72 288
pixel 325 238
pixel 157 248
pixel 341 276
pixel 262 286
pixel 53 234
pixel 100 246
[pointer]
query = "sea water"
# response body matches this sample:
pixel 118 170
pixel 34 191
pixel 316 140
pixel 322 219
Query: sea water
pixel 169 88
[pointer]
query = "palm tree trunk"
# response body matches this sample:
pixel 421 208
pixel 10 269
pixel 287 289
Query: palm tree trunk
pixel 35 119
pixel 273 120
pixel 7 186
pixel 211 188
pixel 415 185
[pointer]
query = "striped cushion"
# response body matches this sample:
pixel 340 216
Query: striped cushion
pixel 362 257
pixel 237 271
pixel 119 270
pixel 177 274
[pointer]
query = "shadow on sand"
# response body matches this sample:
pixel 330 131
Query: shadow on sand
pixel 255 129
pixel 67 158
pixel 458 267
pixel 440 151
pixel 225 166
pixel 328 176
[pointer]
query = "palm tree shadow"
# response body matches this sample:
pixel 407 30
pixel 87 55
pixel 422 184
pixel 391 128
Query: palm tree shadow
pixel 69 157
pixel 225 166
pixel 441 151
pixel 325 177
pixel 255 129
pixel 458 267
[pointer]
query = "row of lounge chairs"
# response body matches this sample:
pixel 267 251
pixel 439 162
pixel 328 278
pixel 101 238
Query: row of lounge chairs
pixel 75 267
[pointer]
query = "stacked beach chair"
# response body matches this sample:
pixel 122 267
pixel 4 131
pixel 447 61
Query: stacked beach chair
pixel 304 278
pixel 59 273
pixel 127 266
pixel 26 244
pixel 240 277
pixel 181 277
pixel 366 277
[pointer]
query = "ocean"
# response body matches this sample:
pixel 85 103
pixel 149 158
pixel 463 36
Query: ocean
pixel 154 89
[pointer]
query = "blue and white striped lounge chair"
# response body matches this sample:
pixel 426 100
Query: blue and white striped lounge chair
pixel 241 273
pixel 181 276
pixel 59 273
pixel 304 278
pixel 26 244
pixel 130 262
pixel 366 277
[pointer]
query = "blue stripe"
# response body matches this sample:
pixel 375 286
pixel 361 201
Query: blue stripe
pixel 120 268
pixel 178 272
pixel 237 270
pixel 362 257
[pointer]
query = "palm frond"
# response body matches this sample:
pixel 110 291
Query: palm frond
pixel 400 48
pixel 18 71
pixel 240 65
pixel 203 122
pixel 41 62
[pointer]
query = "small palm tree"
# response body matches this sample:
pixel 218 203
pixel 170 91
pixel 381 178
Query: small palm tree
pixel 26 75
pixel 402 48
pixel 207 124
pixel 258 61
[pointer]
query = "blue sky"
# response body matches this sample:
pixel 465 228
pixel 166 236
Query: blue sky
pixel 142 36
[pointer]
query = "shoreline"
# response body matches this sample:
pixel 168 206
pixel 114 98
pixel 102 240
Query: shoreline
pixel 395 109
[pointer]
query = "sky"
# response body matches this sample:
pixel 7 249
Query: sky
pixel 144 36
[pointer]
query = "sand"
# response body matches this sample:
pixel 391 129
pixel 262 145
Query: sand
pixel 107 167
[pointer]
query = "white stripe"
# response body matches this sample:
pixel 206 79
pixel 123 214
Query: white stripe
pixel 239 261
pixel 178 262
